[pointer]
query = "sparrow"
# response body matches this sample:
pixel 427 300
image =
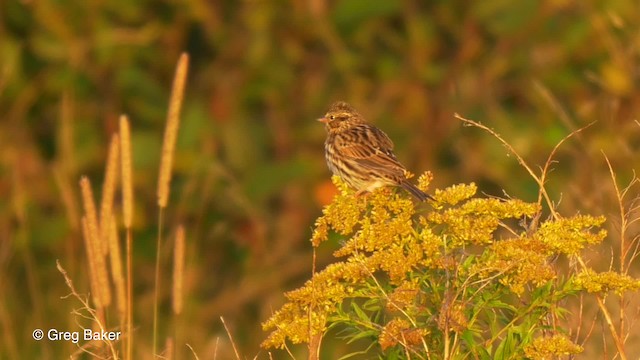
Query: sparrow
pixel 361 154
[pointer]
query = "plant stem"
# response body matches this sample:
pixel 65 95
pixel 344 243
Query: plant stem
pixel 157 284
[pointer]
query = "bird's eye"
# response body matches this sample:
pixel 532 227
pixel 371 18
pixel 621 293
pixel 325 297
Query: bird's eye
pixel 332 117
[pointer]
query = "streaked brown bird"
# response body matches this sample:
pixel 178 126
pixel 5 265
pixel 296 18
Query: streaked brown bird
pixel 361 154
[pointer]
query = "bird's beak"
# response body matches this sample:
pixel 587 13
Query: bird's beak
pixel 323 120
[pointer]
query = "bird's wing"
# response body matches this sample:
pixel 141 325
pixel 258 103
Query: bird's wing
pixel 371 148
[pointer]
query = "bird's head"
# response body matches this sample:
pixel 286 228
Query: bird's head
pixel 341 116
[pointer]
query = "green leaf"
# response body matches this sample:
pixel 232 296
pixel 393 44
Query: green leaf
pixel 362 334
pixel 359 313
pixel 507 348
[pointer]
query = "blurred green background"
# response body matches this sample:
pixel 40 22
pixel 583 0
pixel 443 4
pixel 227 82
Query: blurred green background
pixel 250 176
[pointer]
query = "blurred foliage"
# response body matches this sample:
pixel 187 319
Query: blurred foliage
pixel 249 171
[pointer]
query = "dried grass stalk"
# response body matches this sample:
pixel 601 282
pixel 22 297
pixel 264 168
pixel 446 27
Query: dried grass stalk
pixel 171 130
pixel 108 192
pixel 127 179
pixel 116 269
pixel 169 349
pixel 65 135
pixel 68 197
pixel 104 292
pixel 178 270
pixel 93 278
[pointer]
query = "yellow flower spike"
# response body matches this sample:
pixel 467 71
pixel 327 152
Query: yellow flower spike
pixel 606 281
pixel 475 221
pixel 320 233
pixel 456 193
pixel 424 180
pixel 570 235
pixel 430 246
pixel 342 215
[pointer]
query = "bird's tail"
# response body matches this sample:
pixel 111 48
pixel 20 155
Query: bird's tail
pixel 421 195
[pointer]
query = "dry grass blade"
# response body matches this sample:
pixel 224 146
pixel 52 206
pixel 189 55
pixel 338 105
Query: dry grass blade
pixel 196 355
pixel 545 170
pixel 628 249
pixel 517 156
pixel 171 130
pixel 92 314
pixel 233 344
pixel 617 340
pixel 540 180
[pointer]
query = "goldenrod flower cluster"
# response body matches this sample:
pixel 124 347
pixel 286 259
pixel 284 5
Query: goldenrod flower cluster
pixel 547 348
pixel 606 281
pixel 425 270
pixel 516 263
pixel 570 235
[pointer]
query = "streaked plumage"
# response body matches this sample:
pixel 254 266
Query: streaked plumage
pixel 361 154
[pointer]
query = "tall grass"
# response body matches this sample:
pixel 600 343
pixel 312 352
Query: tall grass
pixel 166 166
pixel 127 213
pixel 100 231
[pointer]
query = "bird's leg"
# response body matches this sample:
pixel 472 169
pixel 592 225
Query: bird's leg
pixel 364 195
pixel 387 191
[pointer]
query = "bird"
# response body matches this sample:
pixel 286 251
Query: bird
pixel 361 154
